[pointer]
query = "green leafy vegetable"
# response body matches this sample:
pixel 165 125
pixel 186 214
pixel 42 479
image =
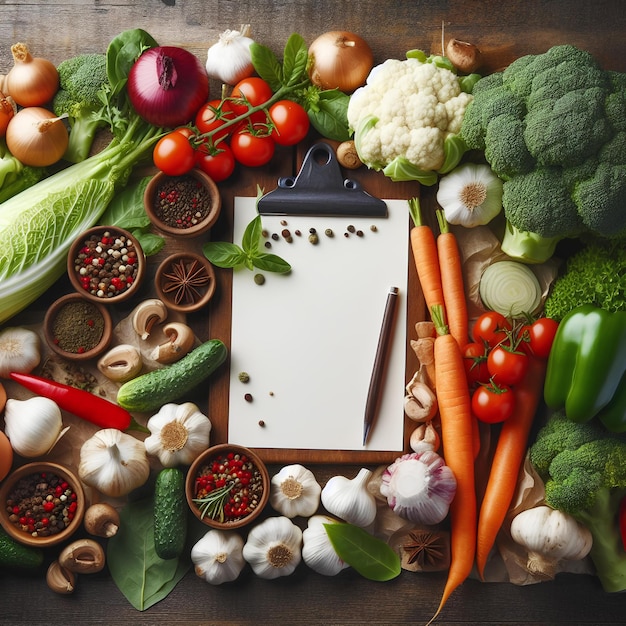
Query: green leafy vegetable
pixel 369 556
pixel 127 211
pixel 138 572
pixel 230 255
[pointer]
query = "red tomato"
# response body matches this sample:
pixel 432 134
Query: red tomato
pixel 218 163
pixel 507 366
pixel 536 339
pixel 249 92
pixel 186 131
pixel 493 403
pixel 252 150
pixel 173 154
pixel 475 361
pixel 291 122
pixel 213 115
pixel 491 328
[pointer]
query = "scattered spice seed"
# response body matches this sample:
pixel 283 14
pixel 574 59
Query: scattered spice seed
pixel 373 228
pixel 264 233
pixel 351 228
pixel 244 377
pixel 78 327
pixel 268 244
pixel 106 265
pixel 346 235
pixel 41 504
pixel 312 231
pixel 283 222
pixel 248 397
pixel 275 236
pixel 285 233
pixel 359 233
pixel 314 239
pixel 259 279
pixel 182 201
pixel 261 423
pixel 328 232
pixel 297 233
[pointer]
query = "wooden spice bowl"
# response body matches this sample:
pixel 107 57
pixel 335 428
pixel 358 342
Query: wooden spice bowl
pixel 113 251
pixel 26 537
pixel 185 281
pixel 86 319
pixel 259 483
pixel 169 202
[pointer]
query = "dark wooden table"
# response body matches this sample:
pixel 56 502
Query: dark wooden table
pixel 503 30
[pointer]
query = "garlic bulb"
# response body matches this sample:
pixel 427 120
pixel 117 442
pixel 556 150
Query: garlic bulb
pixel 33 426
pixel 470 195
pixel 294 491
pixel 317 550
pixel 20 351
pixel 274 547
pixel 229 60
pixel 179 433
pixel 419 487
pixel 349 499
pixel 550 536
pixel 218 556
pixel 113 462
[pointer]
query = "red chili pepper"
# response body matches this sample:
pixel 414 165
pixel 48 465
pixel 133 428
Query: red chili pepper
pixel 83 404
pixel 622 520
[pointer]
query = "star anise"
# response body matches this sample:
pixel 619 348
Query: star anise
pixel 425 548
pixel 185 281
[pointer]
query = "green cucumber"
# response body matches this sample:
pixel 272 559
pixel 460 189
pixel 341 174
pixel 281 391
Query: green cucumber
pixel 14 554
pixel 170 513
pixel 152 390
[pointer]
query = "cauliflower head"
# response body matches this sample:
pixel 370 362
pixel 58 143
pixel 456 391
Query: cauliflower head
pixel 407 117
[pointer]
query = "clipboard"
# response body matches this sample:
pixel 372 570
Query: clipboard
pixel 307 340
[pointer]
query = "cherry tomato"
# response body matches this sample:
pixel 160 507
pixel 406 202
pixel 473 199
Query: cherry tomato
pixel 252 150
pixel 536 339
pixel 507 366
pixel 249 92
pixel 173 154
pixel 493 403
pixel 291 122
pixel 217 162
pixel 211 116
pixel 491 328
pixel 475 361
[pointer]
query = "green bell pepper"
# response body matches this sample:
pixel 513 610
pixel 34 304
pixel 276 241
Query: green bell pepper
pixel 587 366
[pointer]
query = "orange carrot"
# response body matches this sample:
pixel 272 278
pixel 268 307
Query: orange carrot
pixel 424 247
pixel 451 268
pixel 507 460
pixel 458 449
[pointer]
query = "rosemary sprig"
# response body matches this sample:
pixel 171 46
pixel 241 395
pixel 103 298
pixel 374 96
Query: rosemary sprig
pixel 213 503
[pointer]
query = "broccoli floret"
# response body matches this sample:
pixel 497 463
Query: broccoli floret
pixel 81 79
pixel 14 175
pixel 551 127
pixel 595 274
pixel 584 470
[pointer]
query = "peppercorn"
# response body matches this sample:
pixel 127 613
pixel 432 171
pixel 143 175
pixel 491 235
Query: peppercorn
pixel 182 202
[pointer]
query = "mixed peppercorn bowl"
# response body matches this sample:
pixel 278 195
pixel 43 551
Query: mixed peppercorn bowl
pixel 227 486
pixel 42 504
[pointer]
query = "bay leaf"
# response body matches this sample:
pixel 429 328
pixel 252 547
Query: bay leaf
pixel 142 576
pixel 369 556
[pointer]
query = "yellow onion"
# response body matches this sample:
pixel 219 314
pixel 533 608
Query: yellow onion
pixel 36 137
pixel 32 81
pixel 340 60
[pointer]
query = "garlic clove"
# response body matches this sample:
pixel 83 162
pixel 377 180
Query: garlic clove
pixel 121 363
pixel 20 350
pixel 425 437
pixel 230 60
pixel 181 340
pixel 349 499
pixel 146 314
pixel 60 579
pixel 83 556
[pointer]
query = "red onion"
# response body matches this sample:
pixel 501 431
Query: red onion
pixel 167 85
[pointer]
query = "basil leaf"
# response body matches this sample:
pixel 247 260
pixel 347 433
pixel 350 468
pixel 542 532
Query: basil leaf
pixel 137 571
pixel 224 254
pixel 252 236
pixel 295 59
pixel 328 113
pixel 266 65
pixel 150 243
pixel 123 51
pixel 271 263
pixel 126 210
pixel 369 556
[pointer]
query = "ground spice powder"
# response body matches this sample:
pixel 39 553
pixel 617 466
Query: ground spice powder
pixel 78 327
